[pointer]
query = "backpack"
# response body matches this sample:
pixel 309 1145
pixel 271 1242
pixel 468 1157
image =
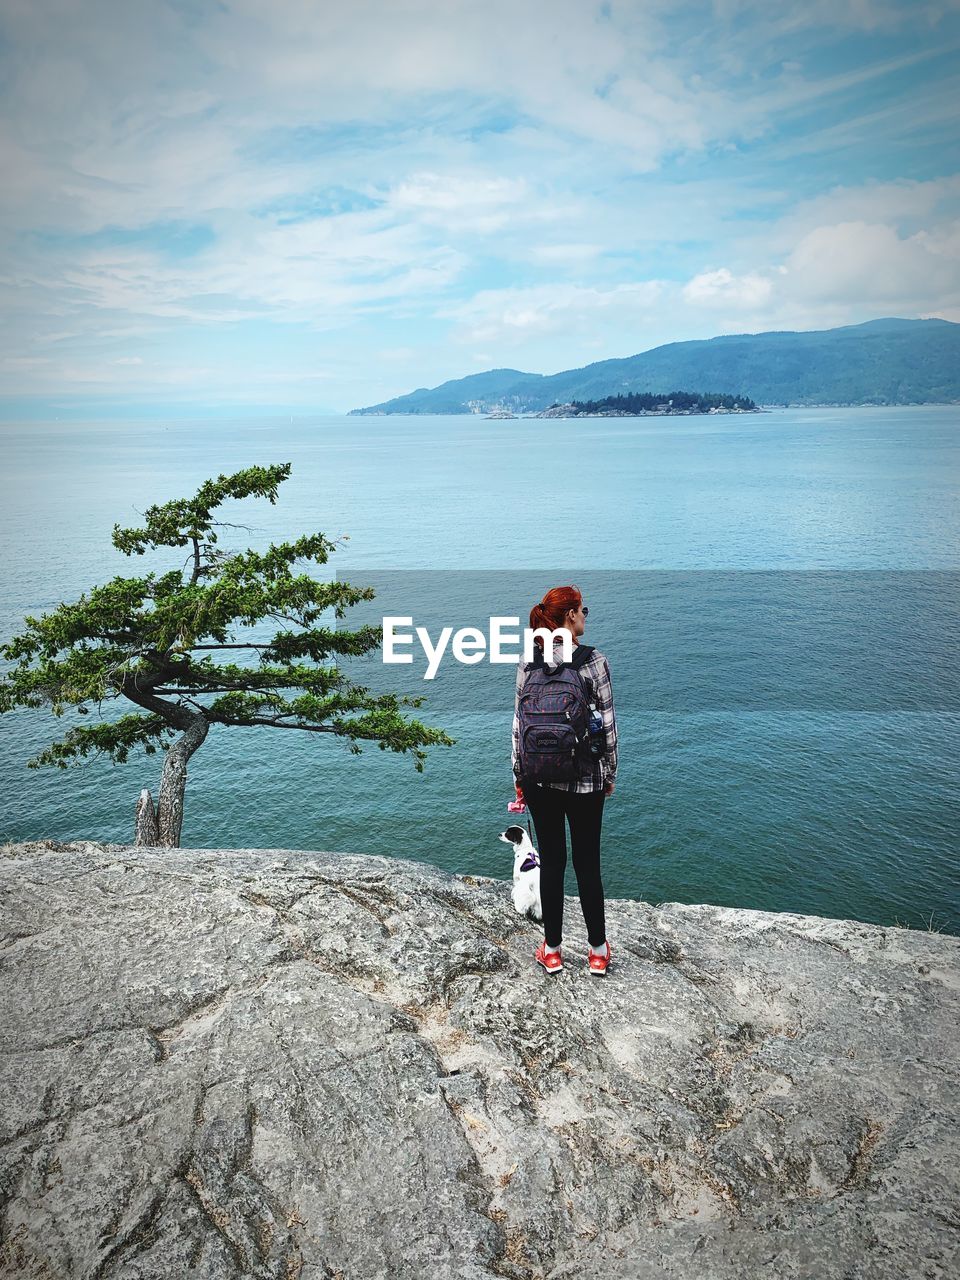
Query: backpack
pixel 554 720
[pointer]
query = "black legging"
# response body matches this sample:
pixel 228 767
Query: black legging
pixel 584 811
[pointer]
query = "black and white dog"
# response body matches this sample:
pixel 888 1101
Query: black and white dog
pixel 526 873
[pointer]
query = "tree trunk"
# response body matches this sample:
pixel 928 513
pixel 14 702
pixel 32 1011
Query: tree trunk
pixel 173 782
pixel 146 829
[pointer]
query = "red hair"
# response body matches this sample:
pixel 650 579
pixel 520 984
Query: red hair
pixel 552 609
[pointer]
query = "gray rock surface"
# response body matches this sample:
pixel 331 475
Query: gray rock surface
pixel 201 1080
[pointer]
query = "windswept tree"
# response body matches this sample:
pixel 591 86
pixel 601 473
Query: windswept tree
pixel 180 646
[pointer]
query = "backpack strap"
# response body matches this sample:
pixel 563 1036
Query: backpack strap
pixel 581 654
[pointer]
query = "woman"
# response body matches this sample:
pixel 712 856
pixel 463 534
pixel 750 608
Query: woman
pixel 580 802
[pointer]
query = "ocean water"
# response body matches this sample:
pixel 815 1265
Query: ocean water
pixel 776 594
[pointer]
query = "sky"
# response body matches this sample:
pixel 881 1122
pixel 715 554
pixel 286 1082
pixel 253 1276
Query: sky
pixel 226 207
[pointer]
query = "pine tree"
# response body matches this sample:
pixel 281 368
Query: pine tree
pixel 163 642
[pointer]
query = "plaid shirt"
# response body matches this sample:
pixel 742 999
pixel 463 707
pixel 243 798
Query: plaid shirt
pixel 600 694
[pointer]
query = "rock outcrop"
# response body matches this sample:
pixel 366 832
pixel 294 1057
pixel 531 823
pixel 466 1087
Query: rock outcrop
pixel 275 1064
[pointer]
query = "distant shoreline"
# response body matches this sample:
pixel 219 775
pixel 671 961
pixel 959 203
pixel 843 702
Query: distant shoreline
pixel 570 411
pixel 763 408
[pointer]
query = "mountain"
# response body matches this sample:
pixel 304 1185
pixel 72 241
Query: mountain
pixel 888 361
pixel 462 395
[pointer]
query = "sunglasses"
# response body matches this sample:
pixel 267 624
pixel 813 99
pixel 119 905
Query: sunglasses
pixel 585 610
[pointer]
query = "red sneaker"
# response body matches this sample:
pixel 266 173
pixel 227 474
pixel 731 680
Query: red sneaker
pixel 552 962
pixel 598 964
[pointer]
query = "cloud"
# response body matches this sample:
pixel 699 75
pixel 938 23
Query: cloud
pixel 499 314
pixel 721 288
pixel 871 263
pixel 832 275
pixel 475 202
pixel 308 271
pixel 453 193
pixel 895 203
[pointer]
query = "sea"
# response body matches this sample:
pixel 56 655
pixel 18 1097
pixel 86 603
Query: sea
pixel 776 595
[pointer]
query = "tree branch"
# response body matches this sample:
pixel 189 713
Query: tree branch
pixel 229 646
pixel 221 688
pixel 274 724
pixel 143 695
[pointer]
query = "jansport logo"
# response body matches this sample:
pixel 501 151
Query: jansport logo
pixel 468 645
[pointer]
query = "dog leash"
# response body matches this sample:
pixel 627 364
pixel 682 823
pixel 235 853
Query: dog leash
pixel 533 858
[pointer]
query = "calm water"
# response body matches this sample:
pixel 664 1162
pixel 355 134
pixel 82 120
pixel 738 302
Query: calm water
pixel 789 738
